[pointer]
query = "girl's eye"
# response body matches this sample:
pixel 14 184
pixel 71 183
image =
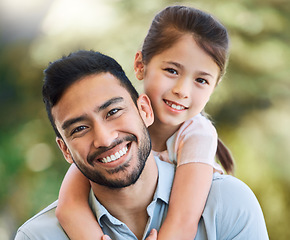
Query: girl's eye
pixel 78 129
pixel 112 112
pixel 201 81
pixel 171 71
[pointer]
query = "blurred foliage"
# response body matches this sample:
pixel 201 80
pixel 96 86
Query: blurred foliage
pixel 251 107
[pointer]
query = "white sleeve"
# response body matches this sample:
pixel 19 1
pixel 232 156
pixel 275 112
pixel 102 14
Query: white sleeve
pixel 196 141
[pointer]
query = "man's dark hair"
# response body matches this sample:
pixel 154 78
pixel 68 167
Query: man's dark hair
pixel 62 73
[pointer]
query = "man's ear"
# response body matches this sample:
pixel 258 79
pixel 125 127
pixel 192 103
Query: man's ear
pixel 139 66
pixel 64 149
pixel 145 109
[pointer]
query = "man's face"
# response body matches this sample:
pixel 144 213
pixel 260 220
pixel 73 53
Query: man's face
pixel 102 129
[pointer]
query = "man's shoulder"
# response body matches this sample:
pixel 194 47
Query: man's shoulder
pixel 44 225
pixel 230 185
pixel 233 204
pixel 229 189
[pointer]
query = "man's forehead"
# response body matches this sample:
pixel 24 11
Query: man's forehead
pixel 89 92
pixel 105 79
pixel 102 85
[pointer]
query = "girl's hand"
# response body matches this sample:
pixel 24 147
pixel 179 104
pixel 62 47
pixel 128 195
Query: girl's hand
pixel 106 237
pixel 152 235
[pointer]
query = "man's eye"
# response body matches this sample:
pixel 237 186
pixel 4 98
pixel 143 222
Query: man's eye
pixel 112 112
pixel 171 71
pixel 78 129
pixel 201 81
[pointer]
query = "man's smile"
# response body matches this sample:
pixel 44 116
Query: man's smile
pixel 116 156
pixel 118 149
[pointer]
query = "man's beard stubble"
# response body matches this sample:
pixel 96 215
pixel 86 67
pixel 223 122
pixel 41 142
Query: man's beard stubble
pixel 130 177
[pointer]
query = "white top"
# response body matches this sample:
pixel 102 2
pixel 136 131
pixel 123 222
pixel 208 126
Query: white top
pixel 195 141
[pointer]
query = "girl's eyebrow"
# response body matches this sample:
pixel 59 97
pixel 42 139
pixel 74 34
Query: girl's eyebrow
pixel 180 66
pixel 202 73
pixel 174 63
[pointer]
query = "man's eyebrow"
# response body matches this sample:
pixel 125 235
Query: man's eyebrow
pixel 109 102
pixel 72 121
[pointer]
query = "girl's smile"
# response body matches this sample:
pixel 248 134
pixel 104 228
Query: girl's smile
pixel 174 105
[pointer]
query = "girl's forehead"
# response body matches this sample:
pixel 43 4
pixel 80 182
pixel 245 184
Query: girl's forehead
pixel 184 47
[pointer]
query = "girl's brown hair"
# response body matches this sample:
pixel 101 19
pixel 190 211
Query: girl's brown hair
pixel 170 25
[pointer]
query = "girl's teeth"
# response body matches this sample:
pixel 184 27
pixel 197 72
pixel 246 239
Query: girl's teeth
pixel 115 156
pixel 174 106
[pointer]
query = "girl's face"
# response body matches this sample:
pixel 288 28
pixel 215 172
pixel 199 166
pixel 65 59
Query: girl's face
pixel 179 81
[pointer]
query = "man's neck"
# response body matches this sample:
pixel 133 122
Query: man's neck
pixel 129 204
pixel 159 134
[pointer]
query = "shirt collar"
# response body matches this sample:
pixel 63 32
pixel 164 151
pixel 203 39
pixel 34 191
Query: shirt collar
pixel 100 211
pixel 165 180
pixel 163 189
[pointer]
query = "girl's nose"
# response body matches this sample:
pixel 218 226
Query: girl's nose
pixel 181 88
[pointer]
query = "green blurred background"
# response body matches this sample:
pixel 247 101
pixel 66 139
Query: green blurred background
pixel 251 107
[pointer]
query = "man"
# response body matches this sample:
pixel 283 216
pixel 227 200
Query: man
pixel 96 112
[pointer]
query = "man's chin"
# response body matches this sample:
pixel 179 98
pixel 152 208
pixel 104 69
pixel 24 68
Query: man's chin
pixel 117 180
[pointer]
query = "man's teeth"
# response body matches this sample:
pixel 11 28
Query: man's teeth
pixel 174 106
pixel 115 156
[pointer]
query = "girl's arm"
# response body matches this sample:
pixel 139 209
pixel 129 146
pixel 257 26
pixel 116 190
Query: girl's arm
pixel 194 151
pixel 189 193
pixel 73 210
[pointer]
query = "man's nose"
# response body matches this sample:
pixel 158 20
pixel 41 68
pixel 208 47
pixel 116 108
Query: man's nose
pixel 182 88
pixel 104 135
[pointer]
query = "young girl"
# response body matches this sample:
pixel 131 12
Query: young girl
pixel 183 58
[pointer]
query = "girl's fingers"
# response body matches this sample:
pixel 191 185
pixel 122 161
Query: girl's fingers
pixel 152 235
pixel 106 237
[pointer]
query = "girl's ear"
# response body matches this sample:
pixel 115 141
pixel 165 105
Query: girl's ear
pixel 145 109
pixel 139 66
pixel 65 151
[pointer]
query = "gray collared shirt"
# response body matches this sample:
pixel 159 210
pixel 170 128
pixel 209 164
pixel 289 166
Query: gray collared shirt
pixel 231 212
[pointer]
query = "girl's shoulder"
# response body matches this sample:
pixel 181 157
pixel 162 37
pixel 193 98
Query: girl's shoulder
pixel 197 124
